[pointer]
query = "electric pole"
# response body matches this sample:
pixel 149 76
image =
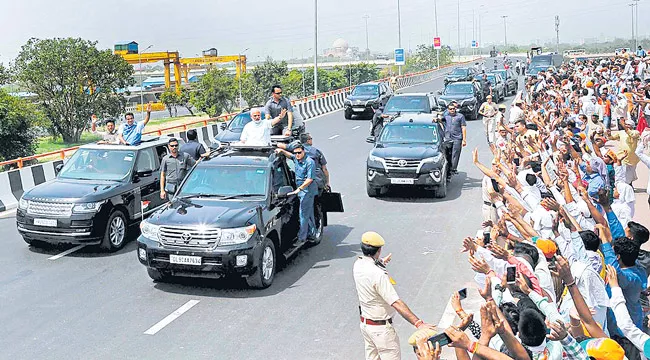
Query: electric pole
pixel 458 24
pixel 315 47
pixel 435 11
pixel 366 17
pixel 505 32
pixel 636 24
pixel 399 35
pixel 557 34
pixel 632 7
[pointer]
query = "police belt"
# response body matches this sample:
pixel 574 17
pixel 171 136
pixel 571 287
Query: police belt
pixel 489 204
pixel 375 322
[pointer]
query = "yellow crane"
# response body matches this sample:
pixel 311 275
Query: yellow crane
pixel 206 59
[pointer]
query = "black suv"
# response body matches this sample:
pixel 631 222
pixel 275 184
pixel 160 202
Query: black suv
pixel 496 83
pixel 468 95
pixel 411 103
pixel 96 196
pixel 231 130
pixel 511 79
pixel 461 74
pixel 408 151
pixel 365 98
pixel 231 216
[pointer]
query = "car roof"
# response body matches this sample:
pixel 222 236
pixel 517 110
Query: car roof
pixel 371 83
pixel 461 82
pixel 147 142
pixel 242 156
pixel 412 94
pixel 414 119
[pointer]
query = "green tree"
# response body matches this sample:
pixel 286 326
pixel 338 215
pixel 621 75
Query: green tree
pixel 425 57
pixel 72 80
pixel 252 93
pixel 170 99
pixel 184 100
pixel 292 84
pixel 4 75
pixel 17 121
pixel 216 92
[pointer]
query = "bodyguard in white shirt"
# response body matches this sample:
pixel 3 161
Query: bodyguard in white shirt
pixel 258 131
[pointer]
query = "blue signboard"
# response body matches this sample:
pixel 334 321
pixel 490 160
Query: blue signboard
pixel 400 58
pixel 474 44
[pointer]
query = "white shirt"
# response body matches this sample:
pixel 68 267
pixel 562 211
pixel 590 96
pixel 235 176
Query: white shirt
pixel 257 133
pixel 516 113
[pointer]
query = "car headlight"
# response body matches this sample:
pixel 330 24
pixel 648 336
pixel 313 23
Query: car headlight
pixel 149 230
pixel 347 102
pixel 372 157
pixel 433 159
pixel 23 204
pixel 237 235
pixel 87 207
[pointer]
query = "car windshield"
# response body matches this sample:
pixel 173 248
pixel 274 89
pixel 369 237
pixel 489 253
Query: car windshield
pixel 241 120
pixel 99 164
pixel 407 104
pixel 409 133
pixel 460 72
pixel 491 78
pixel 366 90
pixel 458 89
pixel 541 61
pixel 226 181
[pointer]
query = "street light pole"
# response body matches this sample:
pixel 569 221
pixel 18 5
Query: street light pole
pixel 315 47
pixel 505 32
pixel 458 25
pixel 140 68
pixel 557 33
pixel 636 26
pixel 304 93
pixel 399 34
pixel 435 11
pixel 241 105
pixel 366 17
pixel 632 7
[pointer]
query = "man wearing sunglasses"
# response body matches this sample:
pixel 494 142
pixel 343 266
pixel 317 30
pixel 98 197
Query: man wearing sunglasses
pixel 274 107
pixel 306 191
pixel 173 168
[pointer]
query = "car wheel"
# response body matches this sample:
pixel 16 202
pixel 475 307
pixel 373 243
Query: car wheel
pixel 116 231
pixel 265 272
pixel 347 114
pixel 372 191
pixel 158 275
pixel 320 225
pixel 441 191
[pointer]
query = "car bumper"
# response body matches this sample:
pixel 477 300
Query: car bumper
pixel 467 109
pixel 379 177
pixel 214 263
pixel 76 229
pixel 359 109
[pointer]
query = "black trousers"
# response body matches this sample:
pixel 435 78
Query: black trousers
pixel 452 152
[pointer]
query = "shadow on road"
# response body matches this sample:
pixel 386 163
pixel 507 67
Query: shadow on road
pixel 411 194
pixel 289 274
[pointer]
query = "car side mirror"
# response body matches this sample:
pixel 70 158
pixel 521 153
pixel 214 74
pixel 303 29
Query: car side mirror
pixel 439 92
pixel 284 191
pixel 58 168
pixel 143 173
pixel 370 139
pixel 383 93
pixel 223 126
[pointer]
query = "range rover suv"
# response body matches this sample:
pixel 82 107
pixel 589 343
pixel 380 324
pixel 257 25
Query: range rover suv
pixel 231 216
pixel 408 152
pixel 365 98
pixel 96 196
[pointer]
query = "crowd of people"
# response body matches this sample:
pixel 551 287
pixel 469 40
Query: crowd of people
pixel 559 259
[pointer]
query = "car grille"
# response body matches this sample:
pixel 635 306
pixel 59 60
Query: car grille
pixel 402 175
pixel 402 164
pixel 189 236
pixel 50 208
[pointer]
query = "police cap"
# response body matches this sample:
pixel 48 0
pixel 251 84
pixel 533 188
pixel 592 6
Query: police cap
pixel 373 239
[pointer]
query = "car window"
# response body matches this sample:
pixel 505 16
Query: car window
pixel 98 164
pixel 279 177
pixel 146 160
pixel 161 151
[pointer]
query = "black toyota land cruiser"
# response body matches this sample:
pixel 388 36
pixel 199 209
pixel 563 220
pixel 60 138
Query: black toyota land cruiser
pixel 97 195
pixel 231 216
pixel 408 152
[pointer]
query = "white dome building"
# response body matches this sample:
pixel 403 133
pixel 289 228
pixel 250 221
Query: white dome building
pixel 340 48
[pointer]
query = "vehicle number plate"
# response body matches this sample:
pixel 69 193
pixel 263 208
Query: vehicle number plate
pixel 402 181
pixel 358 109
pixel 185 260
pixel 45 222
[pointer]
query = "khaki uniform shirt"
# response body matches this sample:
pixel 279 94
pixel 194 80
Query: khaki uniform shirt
pixel 376 293
pixel 489 110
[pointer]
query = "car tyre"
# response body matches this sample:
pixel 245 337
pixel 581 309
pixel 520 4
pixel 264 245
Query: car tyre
pixel 265 272
pixel 115 234
pixel 372 191
pixel 320 225
pixel 158 275
pixel 441 191
pixel 347 114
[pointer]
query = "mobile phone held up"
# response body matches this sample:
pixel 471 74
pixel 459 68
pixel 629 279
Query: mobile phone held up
pixel 462 294
pixel 441 339
pixel 495 186
pixel 511 274
pixel 486 238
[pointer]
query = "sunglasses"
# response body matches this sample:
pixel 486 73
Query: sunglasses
pixel 451 108
pixel 278 93
pixel 297 152
pixel 173 146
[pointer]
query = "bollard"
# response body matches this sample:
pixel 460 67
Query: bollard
pixel 20 163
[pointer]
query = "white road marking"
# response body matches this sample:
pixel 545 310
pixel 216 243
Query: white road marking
pixel 333 137
pixel 171 317
pixel 356 127
pixel 67 252
pixel 7 214
pixel 322 115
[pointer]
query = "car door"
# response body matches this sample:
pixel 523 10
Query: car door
pixel 147 178
pixel 287 208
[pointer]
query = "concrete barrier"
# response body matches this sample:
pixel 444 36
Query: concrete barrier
pixel 15 182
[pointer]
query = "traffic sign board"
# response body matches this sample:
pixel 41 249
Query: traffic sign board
pixel 436 43
pixel 474 44
pixel 400 58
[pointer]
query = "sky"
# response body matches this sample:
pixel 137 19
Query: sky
pixel 285 29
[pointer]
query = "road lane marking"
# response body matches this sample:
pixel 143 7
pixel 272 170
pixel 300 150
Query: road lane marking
pixel 67 252
pixel 356 127
pixel 171 317
pixel 333 137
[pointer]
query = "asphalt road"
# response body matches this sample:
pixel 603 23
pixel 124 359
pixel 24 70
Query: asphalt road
pixel 92 305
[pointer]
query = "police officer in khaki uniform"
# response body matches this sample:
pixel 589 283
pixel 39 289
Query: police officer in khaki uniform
pixel 378 301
